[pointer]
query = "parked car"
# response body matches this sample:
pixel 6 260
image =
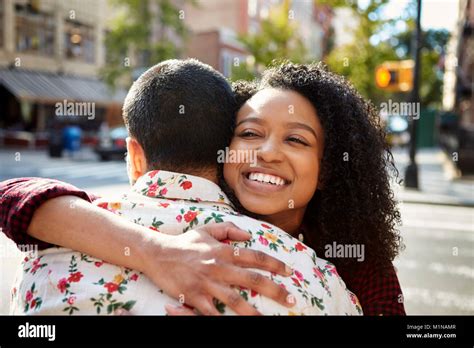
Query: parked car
pixel 112 143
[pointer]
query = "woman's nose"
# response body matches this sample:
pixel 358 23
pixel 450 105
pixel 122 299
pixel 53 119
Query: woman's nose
pixel 270 151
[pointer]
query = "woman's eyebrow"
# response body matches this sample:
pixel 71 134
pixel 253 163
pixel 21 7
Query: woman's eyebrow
pixel 250 119
pixel 302 126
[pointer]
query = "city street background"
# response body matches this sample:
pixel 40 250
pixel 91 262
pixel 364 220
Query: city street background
pixel 66 66
pixel 436 270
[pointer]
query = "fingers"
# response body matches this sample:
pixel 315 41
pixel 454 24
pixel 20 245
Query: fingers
pixel 178 310
pixel 232 299
pixel 260 284
pixel 204 305
pixel 226 230
pixel 258 259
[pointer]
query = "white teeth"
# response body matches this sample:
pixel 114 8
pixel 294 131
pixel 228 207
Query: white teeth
pixel 266 178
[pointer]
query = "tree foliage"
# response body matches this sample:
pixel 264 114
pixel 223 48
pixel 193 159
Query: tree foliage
pixel 277 38
pixel 359 59
pixel 143 33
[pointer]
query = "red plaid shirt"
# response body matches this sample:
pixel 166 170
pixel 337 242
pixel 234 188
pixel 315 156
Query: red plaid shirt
pixel 378 289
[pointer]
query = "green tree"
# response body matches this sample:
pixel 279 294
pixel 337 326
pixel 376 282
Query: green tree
pixel 278 38
pixel 140 36
pixel 359 59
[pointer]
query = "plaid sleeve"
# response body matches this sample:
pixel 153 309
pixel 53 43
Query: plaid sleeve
pixel 19 199
pixel 377 288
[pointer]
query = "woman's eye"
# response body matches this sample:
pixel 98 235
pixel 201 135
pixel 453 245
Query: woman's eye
pixel 248 134
pixel 297 140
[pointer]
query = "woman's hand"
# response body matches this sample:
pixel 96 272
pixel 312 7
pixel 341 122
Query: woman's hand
pixel 195 267
pixel 177 310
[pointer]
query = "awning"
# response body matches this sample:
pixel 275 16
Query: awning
pixel 45 87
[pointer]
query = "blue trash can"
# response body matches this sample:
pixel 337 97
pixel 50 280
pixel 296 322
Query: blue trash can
pixel 72 138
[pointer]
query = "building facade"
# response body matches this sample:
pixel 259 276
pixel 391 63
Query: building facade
pixel 216 24
pixel 53 35
pixel 51 51
pixel 457 132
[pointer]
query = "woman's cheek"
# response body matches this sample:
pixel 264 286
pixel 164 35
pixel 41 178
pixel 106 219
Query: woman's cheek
pixel 308 174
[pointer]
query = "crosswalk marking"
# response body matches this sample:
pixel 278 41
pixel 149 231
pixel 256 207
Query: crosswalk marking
pixel 434 299
pixel 437 268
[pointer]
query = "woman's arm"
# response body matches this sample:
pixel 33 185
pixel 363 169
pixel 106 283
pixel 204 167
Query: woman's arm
pixel 180 265
pixel 19 199
pixel 377 288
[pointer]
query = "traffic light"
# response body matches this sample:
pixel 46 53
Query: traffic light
pixel 395 76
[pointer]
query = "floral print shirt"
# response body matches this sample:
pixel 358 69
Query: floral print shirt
pixel 60 281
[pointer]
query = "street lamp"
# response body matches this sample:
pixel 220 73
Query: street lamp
pixel 411 172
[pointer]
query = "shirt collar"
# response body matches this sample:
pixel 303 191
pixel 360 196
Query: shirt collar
pixel 178 186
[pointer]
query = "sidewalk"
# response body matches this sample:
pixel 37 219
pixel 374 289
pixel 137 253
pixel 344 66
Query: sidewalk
pixel 437 180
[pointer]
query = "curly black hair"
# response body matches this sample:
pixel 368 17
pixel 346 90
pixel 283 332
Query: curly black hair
pixel 354 203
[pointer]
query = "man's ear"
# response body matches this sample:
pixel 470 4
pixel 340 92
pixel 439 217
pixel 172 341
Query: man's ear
pixel 137 165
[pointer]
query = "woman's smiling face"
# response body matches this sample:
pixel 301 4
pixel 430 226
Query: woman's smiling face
pixel 283 128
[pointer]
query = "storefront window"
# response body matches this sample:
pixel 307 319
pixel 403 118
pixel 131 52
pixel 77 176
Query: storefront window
pixel 34 30
pixel 79 42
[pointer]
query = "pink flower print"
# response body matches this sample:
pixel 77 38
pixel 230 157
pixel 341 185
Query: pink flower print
pixel 299 275
pixel 62 284
pixel 29 296
pixel 71 300
pixel 190 216
pixel 152 190
pixel 296 281
pixel 153 173
pixel 300 247
pixel 75 277
pixel 98 263
pixel 104 205
pixel 35 268
pixel 163 192
pixel 263 240
pixel 179 218
pixel 186 185
pixel 111 287
pixel 332 269
pixel 318 273
pixel 134 277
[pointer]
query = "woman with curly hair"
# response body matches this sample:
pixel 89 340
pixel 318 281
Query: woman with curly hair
pixel 327 164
